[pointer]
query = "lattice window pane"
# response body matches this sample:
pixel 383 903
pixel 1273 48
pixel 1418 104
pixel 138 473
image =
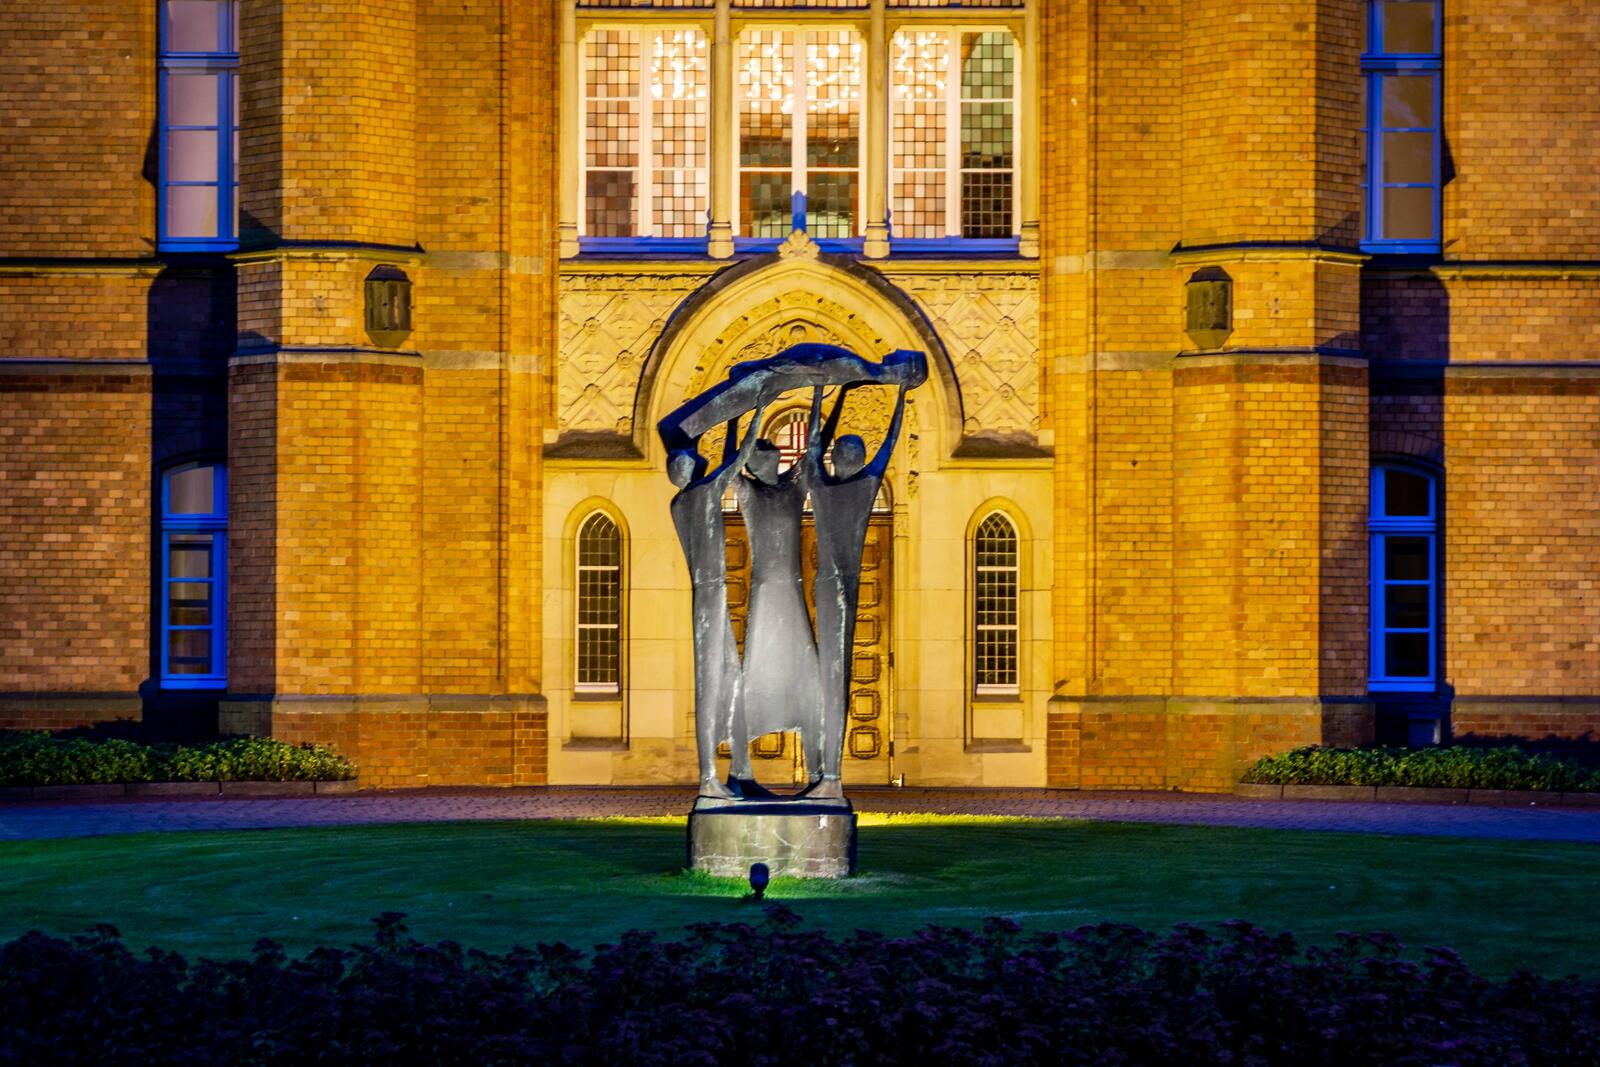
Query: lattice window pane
pixel 996 665
pixel 987 135
pixel 680 124
pixel 831 204
pixel 833 99
pixel 612 127
pixel 766 91
pixel 988 66
pixel 764 203
pixel 612 198
pixel 996 605
pixel 986 199
pixel 920 65
pixel 599 637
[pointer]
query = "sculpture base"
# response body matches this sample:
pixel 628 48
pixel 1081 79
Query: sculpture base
pixel 794 838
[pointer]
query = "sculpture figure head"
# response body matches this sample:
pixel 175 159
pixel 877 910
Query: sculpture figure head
pixel 849 456
pixel 685 466
pixel 764 462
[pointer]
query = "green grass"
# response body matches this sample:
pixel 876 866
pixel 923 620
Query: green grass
pixel 1502 904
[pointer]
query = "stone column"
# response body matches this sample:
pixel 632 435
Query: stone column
pixel 1028 144
pixel 571 165
pixel 876 245
pixel 724 136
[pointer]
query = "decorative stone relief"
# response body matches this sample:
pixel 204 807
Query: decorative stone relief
pixel 608 323
pixel 796 312
pixel 990 326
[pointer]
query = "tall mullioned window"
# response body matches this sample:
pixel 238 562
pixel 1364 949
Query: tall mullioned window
pixel 799 103
pixel 815 124
pixel 193 594
pixel 953 134
pixel 1404 530
pixel 1401 70
pixel 996 608
pixel 199 125
pixel 599 665
pixel 645 133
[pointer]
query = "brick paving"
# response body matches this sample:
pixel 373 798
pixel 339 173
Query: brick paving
pixel 47 819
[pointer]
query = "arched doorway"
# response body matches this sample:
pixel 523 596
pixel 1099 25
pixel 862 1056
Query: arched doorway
pixel 868 742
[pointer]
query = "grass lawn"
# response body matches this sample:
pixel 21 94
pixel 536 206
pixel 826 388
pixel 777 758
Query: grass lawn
pixel 1502 904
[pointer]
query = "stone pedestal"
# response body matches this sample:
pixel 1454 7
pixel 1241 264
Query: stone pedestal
pixel 794 838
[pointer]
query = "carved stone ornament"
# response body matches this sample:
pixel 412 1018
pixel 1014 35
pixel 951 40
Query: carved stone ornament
pixel 1209 298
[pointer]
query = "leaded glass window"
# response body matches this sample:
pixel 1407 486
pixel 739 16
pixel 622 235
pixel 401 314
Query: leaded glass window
pixel 799 102
pixel 645 129
pixel 995 607
pixel 599 636
pixel 953 134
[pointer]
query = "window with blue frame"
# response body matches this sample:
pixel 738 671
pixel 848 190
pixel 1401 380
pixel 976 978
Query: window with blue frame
pixel 1403 525
pixel 199 128
pixel 194 532
pixel 1401 67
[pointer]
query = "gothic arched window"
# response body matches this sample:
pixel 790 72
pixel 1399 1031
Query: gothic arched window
pixel 996 606
pixel 599 615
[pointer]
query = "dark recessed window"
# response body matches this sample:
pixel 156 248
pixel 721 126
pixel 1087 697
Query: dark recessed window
pixel 1404 532
pixel 193 593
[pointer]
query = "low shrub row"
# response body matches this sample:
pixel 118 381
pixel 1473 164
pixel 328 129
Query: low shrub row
pixel 772 994
pixel 31 758
pixel 1454 767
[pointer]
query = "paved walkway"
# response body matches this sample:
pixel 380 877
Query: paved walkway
pixel 46 819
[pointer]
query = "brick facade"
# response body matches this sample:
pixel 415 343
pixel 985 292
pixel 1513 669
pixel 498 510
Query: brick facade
pixel 1198 593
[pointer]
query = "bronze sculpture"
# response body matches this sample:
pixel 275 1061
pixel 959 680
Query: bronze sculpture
pixel 789 677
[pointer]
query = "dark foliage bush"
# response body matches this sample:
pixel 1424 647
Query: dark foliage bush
pixel 1456 767
pixel 773 994
pixel 32 758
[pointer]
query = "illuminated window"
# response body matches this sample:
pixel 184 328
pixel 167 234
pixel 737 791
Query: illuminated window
pixel 646 115
pixel 1400 159
pixel 799 103
pixel 953 136
pixel 199 128
pixel 599 667
pixel 1404 530
pixel 194 525
pixel 995 607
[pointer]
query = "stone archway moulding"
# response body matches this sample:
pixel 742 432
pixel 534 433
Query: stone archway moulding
pixel 761 306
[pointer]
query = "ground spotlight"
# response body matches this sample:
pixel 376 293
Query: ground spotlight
pixel 759 876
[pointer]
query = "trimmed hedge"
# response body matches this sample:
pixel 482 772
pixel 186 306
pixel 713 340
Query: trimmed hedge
pixel 771 994
pixel 1455 767
pixel 35 758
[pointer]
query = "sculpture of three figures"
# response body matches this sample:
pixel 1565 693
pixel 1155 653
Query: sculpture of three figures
pixel 789 678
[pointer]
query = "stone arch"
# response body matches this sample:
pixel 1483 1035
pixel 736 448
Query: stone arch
pixel 763 305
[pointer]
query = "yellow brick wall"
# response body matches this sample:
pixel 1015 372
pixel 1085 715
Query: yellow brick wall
pixel 78 92
pixel 74 537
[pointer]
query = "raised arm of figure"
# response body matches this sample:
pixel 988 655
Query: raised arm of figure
pixel 880 462
pixel 825 438
pixel 731 466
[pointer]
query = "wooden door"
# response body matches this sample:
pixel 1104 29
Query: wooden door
pixel 778 757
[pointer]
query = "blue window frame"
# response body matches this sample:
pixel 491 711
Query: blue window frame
pixel 1403 527
pixel 194 579
pixel 199 131
pixel 1401 67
